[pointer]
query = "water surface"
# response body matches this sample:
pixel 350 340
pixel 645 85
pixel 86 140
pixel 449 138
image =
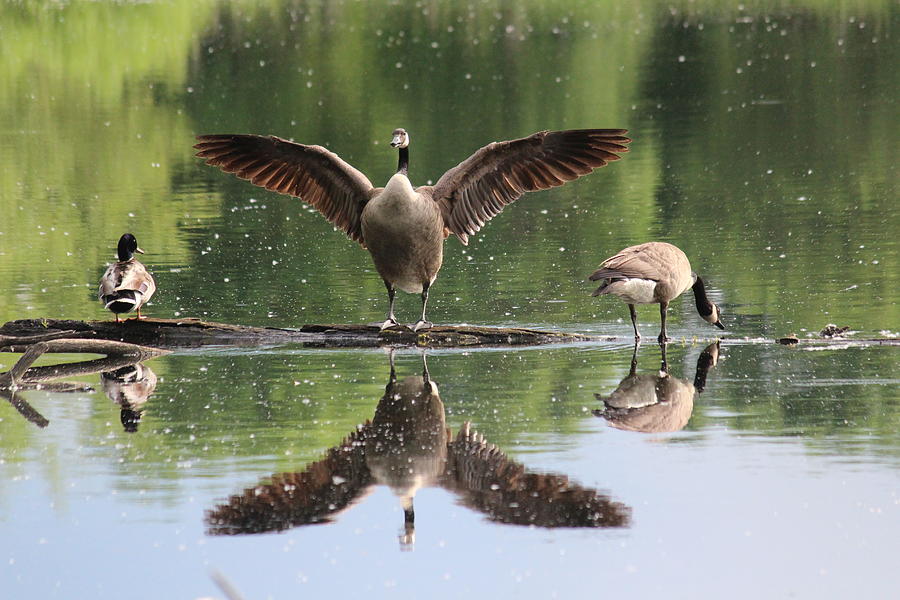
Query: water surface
pixel 764 145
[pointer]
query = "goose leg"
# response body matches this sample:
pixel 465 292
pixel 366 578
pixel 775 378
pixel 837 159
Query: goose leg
pixel 637 336
pixel 393 376
pixel 663 308
pixel 422 323
pixel 664 364
pixel 391 320
pixel 634 360
pixel 426 377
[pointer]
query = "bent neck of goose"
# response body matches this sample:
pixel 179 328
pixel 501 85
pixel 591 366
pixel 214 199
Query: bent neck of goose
pixel 704 306
pixel 403 162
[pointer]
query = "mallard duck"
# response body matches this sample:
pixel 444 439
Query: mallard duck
pixel 404 228
pixel 126 285
pixel 653 273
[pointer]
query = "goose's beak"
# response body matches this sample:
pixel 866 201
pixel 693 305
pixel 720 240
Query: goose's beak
pixel 396 141
pixel 719 324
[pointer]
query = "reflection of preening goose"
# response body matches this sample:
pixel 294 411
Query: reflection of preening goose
pixel 130 387
pixel 402 227
pixel 706 361
pixel 653 273
pixel 407 447
pixel 656 403
pixel 126 285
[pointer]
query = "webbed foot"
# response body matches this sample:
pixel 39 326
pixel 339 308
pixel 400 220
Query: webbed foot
pixel 422 324
pixel 391 322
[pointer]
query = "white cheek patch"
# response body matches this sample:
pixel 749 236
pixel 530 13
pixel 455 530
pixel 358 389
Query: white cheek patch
pixel 634 291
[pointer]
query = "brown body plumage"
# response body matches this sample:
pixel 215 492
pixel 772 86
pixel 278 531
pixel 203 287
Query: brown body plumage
pixel 653 273
pixel 404 227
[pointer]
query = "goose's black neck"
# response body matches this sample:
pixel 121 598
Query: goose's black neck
pixel 704 306
pixel 403 163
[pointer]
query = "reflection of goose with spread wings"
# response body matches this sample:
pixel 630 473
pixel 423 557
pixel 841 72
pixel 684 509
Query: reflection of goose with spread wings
pixel 407 446
pixel 130 387
pixel 658 402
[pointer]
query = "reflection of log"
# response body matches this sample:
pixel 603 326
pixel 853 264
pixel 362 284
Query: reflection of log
pixel 25 409
pixel 118 354
pixel 179 333
pixel 13 377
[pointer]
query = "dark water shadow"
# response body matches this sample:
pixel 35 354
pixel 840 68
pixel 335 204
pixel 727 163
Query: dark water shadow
pixel 407 446
pixel 656 402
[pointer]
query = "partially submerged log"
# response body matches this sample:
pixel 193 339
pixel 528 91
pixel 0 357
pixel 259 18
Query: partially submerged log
pixel 191 333
pixel 194 333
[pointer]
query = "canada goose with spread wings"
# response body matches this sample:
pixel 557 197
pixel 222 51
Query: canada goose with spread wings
pixel 404 228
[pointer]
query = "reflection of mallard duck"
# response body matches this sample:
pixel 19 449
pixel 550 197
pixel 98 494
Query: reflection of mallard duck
pixel 407 447
pixel 126 285
pixel 653 273
pixel 130 387
pixel 404 228
pixel 658 402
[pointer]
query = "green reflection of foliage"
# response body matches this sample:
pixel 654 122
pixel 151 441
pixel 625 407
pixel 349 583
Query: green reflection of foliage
pixel 92 139
pixel 100 102
pixel 251 414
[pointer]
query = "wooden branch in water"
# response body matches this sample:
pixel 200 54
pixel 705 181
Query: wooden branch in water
pixel 191 333
pixel 13 377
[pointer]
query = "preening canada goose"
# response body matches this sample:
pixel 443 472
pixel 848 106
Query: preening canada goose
pixel 126 285
pixel 404 228
pixel 653 273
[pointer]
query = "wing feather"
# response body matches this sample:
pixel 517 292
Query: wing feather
pixel 314 174
pixel 477 189
pixel 651 260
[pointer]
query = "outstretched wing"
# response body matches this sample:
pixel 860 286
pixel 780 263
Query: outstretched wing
pixel 490 482
pixel 290 499
pixel 477 189
pixel 314 174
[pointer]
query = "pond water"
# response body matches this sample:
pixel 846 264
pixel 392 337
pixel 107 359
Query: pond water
pixel 765 145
